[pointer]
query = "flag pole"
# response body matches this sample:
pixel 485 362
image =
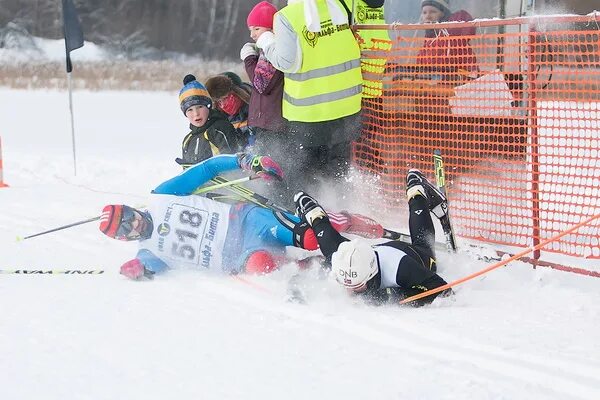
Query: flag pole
pixel 72 122
pixel 73 41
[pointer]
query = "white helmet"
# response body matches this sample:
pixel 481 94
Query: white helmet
pixel 354 263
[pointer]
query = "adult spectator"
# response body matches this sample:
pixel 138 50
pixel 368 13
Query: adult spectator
pixel 375 44
pixel 313 46
pixel 375 48
pixel 447 51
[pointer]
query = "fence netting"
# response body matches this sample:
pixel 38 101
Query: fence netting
pixel 514 107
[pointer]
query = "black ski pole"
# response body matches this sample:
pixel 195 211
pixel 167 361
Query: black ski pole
pixel 201 190
pixel 60 228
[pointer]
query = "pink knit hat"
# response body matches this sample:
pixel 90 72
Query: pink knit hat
pixel 262 15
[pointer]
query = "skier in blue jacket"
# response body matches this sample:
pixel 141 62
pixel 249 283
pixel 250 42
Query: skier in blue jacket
pixel 184 230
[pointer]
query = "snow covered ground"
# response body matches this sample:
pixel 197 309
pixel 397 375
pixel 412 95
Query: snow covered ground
pixel 515 333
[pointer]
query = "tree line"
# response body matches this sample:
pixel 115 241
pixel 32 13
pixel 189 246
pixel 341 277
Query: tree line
pixel 208 28
pixel 214 29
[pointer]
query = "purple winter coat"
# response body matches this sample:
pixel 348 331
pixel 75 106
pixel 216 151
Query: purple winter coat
pixel 267 94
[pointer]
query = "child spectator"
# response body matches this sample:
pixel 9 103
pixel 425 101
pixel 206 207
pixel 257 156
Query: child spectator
pixel 269 127
pixel 235 78
pixel 232 97
pixel 211 132
pixel 267 82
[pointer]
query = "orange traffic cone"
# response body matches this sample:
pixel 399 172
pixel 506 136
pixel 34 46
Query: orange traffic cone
pixel 2 184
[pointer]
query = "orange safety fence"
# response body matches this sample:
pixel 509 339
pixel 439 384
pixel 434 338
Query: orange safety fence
pixel 514 107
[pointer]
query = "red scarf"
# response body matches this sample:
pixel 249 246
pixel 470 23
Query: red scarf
pixel 230 104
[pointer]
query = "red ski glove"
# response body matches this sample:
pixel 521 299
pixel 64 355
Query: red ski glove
pixel 134 269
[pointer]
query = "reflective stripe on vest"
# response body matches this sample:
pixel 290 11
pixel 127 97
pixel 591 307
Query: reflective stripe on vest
pixel 323 98
pixel 329 82
pixel 325 71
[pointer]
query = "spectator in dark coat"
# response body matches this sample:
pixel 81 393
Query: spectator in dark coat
pixel 448 56
pixel 442 50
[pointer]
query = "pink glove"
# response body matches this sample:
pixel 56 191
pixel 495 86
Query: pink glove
pixel 133 269
pixel 263 166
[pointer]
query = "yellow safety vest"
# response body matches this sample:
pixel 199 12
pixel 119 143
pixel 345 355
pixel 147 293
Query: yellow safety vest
pixel 329 83
pixel 373 43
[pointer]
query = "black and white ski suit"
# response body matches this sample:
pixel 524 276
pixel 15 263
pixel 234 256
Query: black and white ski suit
pixel 404 269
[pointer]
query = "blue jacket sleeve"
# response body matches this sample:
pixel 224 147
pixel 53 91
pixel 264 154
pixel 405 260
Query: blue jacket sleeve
pixel 151 262
pixel 189 180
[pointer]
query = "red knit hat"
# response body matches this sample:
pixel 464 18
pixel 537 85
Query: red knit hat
pixel 262 15
pixel 117 220
pixel 111 219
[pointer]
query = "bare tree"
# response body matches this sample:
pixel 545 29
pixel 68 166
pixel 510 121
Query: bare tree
pixel 211 28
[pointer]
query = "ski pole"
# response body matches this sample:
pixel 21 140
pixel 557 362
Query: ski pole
pixel 249 195
pixel 223 183
pixel 52 271
pixel 243 193
pixel 197 191
pixel 253 197
pixel 60 228
pixel 501 263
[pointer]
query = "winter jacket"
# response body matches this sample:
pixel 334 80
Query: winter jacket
pixel 241 123
pixel 267 94
pixel 441 51
pixel 216 136
pixel 240 119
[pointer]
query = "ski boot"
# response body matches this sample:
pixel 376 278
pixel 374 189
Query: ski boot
pixel 308 208
pixel 417 183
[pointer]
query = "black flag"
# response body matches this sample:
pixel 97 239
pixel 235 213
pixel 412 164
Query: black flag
pixel 72 30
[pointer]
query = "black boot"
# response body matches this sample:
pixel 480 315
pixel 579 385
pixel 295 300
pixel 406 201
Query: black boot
pixel 416 182
pixel 308 208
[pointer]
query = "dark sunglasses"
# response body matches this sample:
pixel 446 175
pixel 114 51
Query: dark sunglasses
pixel 126 227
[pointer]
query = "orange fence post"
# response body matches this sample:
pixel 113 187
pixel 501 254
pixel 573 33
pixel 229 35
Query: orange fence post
pixel 532 110
pixel 2 184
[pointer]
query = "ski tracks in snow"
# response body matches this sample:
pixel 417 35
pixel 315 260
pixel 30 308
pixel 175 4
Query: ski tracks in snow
pixel 421 338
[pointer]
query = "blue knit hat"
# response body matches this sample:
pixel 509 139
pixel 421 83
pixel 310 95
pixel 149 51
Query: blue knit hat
pixel 193 93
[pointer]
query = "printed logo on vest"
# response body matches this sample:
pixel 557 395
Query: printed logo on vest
pixel 327 29
pixel 163 229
